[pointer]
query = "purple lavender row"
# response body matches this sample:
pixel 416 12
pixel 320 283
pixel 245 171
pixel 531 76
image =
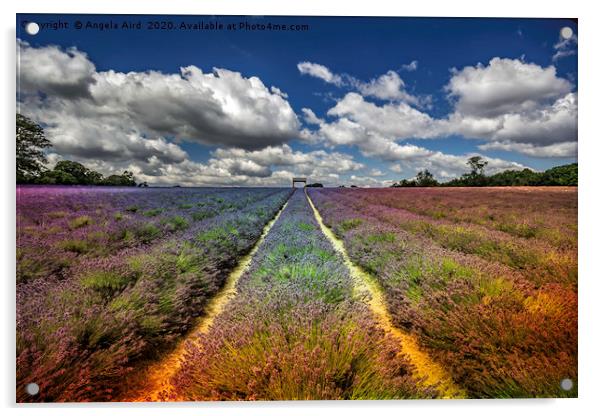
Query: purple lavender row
pixel 78 337
pixel 295 329
pixel 58 226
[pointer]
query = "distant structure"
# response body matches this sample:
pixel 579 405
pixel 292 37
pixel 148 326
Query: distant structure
pixel 304 180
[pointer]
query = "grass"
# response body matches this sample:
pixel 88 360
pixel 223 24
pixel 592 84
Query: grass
pixel 153 212
pixel 517 256
pixel 146 233
pixel 349 224
pixel 74 245
pixel 200 215
pixel 80 222
pixel 105 282
pixel 177 223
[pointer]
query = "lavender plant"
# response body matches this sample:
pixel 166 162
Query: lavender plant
pixel 81 329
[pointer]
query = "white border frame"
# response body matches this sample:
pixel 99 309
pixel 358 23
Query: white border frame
pixel 590 272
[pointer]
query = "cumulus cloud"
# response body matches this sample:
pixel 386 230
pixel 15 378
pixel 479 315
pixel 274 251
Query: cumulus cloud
pixel 564 149
pixel 271 166
pixel 314 163
pixel 388 87
pixel 504 86
pixel 392 120
pixel 220 108
pixel 510 104
pixel 444 166
pixel 520 106
pixel 320 71
pixel 51 70
pixel 310 117
pixel 372 128
pixel 113 121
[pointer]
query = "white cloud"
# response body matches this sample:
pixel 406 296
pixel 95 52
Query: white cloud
pixel 366 181
pixel 310 117
pixel 412 66
pixel 519 106
pixel 319 71
pixel 87 109
pixel 536 111
pixel 504 86
pixel 444 166
pixel 397 168
pixel 389 86
pixel 386 87
pixel 315 163
pixel 271 166
pixel 376 172
pixel 393 120
pixel 565 47
pixel 66 73
pixel 564 149
pixel 545 125
pixel 113 121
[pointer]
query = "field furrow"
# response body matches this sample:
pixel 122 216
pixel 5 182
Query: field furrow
pixel 296 329
pixel 279 294
pixel 500 330
pixel 429 372
pixel 79 333
pixel 153 383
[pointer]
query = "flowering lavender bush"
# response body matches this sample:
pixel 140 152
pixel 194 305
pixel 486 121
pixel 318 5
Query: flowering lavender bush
pixel 108 276
pixel 295 329
pixel 496 308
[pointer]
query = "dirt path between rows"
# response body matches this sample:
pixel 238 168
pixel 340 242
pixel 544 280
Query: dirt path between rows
pixel 428 370
pixel 154 383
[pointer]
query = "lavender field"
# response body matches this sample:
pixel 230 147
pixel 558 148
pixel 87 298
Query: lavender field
pixel 188 294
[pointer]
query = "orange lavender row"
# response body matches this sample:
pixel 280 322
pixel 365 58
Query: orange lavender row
pixel 500 331
pixel 547 213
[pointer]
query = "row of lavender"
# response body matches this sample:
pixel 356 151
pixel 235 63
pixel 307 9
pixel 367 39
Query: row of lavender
pixel 497 309
pixel 150 261
pixel 58 226
pixel 295 329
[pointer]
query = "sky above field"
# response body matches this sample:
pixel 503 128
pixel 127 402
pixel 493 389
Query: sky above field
pixel 362 101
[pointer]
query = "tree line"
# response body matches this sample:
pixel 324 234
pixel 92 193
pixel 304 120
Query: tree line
pixel 31 161
pixel 566 175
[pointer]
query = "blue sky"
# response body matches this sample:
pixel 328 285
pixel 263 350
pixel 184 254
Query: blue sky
pixel 357 51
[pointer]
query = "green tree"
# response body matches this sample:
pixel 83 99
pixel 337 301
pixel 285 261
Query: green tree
pixel 94 178
pixel 126 179
pixel 56 177
pixel 477 165
pixel 566 175
pixel 82 174
pixel 425 178
pixel 476 177
pixel 30 144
